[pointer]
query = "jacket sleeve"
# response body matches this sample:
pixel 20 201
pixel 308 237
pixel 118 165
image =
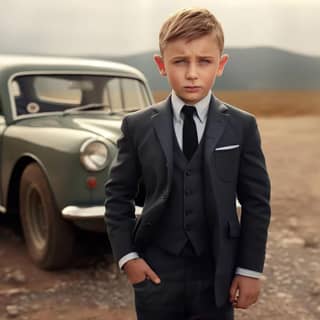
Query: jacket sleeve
pixel 253 192
pixel 121 189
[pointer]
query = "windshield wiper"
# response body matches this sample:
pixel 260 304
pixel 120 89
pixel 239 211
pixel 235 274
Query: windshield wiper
pixel 88 106
pixel 132 110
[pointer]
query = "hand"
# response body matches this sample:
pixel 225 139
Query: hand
pixel 138 270
pixel 244 291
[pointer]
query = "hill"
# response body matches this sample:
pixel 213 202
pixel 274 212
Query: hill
pixel 261 68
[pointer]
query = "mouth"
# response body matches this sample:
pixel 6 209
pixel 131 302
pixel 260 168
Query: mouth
pixel 192 88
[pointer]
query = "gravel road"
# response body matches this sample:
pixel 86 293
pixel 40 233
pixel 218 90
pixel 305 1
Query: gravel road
pixel 94 289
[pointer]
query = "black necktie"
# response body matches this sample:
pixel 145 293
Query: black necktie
pixel 189 137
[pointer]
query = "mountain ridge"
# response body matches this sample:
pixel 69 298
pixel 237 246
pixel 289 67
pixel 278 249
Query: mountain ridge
pixel 255 68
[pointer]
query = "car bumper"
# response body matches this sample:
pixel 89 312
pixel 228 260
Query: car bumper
pixel 97 212
pixel 92 218
pixel 89 218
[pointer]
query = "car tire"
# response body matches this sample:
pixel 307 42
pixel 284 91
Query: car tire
pixel 50 239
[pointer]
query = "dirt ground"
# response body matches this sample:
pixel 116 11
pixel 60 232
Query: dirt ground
pixel 94 289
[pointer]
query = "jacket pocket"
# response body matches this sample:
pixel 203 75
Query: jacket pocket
pixel 141 283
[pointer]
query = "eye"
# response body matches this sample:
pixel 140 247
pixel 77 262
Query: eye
pixel 179 61
pixel 204 61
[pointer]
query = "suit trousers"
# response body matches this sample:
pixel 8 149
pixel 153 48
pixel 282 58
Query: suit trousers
pixel 186 291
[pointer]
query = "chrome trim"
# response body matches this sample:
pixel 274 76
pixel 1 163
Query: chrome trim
pixel 3 209
pixel 63 72
pixel 90 140
pixel 84 146
pixel 74 212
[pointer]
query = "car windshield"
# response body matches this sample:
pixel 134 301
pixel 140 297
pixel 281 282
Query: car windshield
pixel 35 94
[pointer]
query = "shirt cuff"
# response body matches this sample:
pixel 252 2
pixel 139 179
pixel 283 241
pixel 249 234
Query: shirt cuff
pixel 248 273
pixel 126 258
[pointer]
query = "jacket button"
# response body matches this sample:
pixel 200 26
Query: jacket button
pixel 187 192
pixel 188 227
pixel 189 211
pixel 148 224
pixel 188 173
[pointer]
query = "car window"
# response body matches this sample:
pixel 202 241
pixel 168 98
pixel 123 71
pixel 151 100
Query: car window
pixel 133 94
pixel 124 94
pixel 56 93
pixel 15 89
pixel 57 90
pixel 112 94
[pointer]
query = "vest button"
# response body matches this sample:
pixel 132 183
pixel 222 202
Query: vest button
pixel 189 211
pixel 187 192
pixel 188 173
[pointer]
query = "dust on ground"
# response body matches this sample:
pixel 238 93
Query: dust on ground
pixel 94 289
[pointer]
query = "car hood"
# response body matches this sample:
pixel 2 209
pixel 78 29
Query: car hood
pixel 103 125
pixel 107 127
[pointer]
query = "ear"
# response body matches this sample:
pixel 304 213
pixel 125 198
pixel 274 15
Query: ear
pixel 160 64
pixel 222 63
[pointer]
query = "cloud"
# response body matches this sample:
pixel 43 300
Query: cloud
pixel 122 26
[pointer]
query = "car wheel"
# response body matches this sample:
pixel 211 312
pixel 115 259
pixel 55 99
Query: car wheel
pixel 49 238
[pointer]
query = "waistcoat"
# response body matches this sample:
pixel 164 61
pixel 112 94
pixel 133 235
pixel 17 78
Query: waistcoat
pixel 184 219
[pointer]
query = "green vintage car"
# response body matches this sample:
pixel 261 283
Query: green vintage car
pixel 59 122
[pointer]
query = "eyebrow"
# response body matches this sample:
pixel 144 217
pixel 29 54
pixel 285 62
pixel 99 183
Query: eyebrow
pixel 198 57
pixel 206 57
pixel 186 56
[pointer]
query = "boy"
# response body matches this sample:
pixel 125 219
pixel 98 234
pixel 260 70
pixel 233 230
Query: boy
pixel 187 256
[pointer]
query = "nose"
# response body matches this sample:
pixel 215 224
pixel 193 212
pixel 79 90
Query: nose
pixel 192 73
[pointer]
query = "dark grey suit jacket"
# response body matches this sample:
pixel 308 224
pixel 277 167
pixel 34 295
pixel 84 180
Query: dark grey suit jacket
pixel 146 154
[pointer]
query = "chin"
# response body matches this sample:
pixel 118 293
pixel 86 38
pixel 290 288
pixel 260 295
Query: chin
pixel 191 99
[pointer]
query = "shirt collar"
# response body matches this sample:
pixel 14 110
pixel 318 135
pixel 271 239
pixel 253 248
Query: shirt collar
pixel 202 106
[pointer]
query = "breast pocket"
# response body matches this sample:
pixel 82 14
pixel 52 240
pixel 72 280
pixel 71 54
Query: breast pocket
pixel 227 163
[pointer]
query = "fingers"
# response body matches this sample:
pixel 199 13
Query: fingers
pixel 244 291
pixel 234 291
pixel 137 270
pixel 150 274
pixel 245 300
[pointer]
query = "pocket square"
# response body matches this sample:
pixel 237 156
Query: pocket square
pixel 230 147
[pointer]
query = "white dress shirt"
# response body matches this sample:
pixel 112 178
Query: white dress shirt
pixel 200 119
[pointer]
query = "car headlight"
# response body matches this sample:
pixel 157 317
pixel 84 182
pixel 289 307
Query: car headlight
pixel 94 155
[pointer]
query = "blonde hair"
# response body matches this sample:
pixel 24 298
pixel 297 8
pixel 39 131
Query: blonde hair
pixel 190 24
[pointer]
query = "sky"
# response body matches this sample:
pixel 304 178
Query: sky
pixel 122 27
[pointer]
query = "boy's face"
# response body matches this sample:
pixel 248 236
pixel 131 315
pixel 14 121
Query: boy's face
pixel 192 66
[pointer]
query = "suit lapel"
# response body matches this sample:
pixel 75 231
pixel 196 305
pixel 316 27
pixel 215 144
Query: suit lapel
pixel 162 123
pixel 216 122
